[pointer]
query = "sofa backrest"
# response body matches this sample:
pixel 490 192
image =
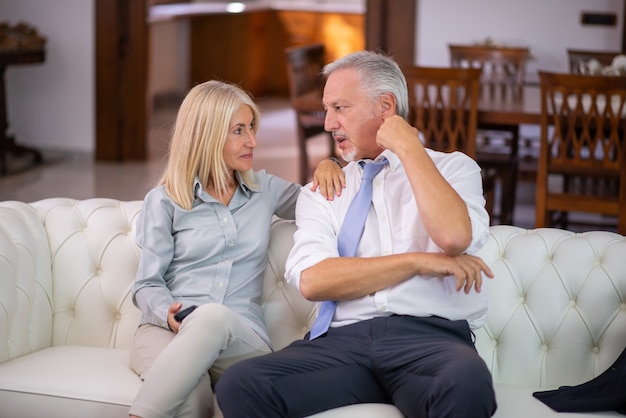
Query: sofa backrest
pixel 558 305
pixel 94 258
pixel 287 314
pixel 66 267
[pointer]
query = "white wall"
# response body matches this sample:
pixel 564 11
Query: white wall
pixel 51 105
pixel 548 27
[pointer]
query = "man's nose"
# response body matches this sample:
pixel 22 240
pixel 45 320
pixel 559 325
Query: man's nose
pixel 330 123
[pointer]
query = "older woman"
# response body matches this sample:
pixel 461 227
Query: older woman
pixel 204 232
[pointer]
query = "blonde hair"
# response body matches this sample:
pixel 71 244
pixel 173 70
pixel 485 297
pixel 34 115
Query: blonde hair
pixel 198 138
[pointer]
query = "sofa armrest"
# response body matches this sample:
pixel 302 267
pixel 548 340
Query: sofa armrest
pixel 25 282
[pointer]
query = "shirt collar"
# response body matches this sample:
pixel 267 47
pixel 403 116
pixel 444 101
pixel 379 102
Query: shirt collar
pixel 393 159
pixel 249 188
pixel 246 188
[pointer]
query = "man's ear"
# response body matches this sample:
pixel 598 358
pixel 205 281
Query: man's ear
pixel 387 104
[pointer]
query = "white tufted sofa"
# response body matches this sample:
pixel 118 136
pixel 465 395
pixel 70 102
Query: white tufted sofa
pixel 558 312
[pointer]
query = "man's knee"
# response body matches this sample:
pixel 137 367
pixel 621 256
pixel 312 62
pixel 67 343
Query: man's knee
pixel 239 381
pixel 472 390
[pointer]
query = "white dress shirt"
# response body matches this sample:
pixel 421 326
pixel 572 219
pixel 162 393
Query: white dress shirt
pixel 393 226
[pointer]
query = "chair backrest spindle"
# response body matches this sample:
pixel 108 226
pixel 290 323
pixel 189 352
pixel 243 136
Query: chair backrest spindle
pixel 444 103
pixel 583 131
pixel 503 68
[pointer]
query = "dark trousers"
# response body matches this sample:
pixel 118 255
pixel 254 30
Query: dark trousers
pixel 427 367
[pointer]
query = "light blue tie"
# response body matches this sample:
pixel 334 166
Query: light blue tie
pixel 349 237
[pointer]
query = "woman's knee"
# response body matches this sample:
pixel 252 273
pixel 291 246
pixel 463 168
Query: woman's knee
pixel 213 318
pixel 212 312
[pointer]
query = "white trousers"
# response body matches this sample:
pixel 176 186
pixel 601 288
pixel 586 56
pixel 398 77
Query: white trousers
pixel 177 369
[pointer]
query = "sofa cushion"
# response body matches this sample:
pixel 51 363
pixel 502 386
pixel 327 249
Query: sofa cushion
pixel 83 381
pixel 362 410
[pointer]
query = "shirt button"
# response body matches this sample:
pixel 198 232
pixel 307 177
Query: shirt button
pixel 231 243
pixel 225 219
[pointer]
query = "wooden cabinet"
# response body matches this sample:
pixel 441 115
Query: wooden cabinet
pixel 341 33
pixel 231 47
pixel 248 48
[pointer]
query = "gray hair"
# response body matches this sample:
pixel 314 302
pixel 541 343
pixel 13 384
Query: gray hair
pixel 379 73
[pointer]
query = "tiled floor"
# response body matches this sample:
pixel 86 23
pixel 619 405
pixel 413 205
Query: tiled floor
pixel 80 177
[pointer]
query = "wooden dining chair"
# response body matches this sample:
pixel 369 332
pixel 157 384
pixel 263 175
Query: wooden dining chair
pixel 502 80
pixel 579 58
pixel 582 164
pixel 304 67
pixel 443 107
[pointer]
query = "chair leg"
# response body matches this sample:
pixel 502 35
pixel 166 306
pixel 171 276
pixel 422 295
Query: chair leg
pixel 509 181
pixel 304 157
pixel 541 215
pixel 509 191
pixel 489 193
pixel 489 202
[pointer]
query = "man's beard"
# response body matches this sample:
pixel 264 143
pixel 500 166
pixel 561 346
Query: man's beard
pixel 348 156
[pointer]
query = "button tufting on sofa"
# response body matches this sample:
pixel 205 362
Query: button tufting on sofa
pixel 557 314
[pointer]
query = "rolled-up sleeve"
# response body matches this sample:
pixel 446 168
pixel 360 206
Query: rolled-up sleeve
pixel 315 239
pixel 464 175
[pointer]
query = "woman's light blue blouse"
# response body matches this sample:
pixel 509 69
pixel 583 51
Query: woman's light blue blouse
pixel 211 253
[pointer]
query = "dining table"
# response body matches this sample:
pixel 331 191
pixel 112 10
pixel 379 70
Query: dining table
pixel 522 110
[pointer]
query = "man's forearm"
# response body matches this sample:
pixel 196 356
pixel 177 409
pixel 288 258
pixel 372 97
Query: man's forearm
pixel 344 278
pixel 353 277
